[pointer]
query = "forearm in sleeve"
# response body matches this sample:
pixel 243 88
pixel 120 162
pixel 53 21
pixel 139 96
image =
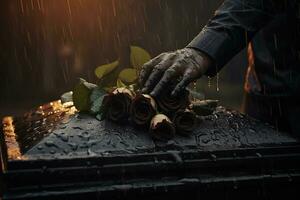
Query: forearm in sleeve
pixel 231 28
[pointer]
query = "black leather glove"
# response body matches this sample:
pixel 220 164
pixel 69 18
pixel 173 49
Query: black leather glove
pixel 186 64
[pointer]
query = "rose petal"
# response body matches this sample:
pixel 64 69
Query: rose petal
pixel 143 108
pixel 161 128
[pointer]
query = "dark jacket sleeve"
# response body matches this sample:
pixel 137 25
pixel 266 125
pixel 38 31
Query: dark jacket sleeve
pixel 231 28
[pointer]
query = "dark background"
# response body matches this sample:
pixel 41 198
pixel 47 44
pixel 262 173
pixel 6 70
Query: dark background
pixel 45 45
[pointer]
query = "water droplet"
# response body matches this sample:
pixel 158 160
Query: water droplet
pixel 52 152
pixel 64 138
pixel 259 155
pixel 66 151
pixel 218 77
pixel 73 146
pixel 63 127
pixel 205 140
pixel 214 157
pixel 251 130
pixel 176 156
pixel 50 144
pixel 77 128
pixel 209 82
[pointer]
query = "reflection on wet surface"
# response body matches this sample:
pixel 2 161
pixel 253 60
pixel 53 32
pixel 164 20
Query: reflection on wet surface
pixel 22 133
pixel 13 149
pixel 56 130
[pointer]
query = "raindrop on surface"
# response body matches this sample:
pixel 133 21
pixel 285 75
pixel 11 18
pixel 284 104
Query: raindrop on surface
pixel 176 156
pixel 251 130
pixel 63 127
pixel 66 151
pixel 85 133
pixel 77 128
pixel 92 142
pixel 84 145
pixel 259 155
pixel 52 151
pixel 90 152
pixel 64 138
pixel 171 143
pixel 50 144
pixel 205 140
pixel 214 157
pixel 73 146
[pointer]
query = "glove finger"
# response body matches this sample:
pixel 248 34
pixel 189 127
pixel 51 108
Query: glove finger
pixel 187 78
pixel 169 75
pixel 155 76
pixel 147 68
pixel 157 72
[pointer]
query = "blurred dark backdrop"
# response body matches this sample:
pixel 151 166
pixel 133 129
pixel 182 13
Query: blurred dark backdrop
pixel 45 45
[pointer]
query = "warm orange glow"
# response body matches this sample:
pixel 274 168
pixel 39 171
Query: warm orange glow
pixel 46 110
pixel 13 149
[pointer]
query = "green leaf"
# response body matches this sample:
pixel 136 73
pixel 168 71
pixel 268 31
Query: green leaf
pixel 106 69
pixel 120 84
pixel 81 95
pixel 128 75
pixel 96 106
pixel 133 87
pixel 66 97
pixel 96 99
pixel 96 93
pixel 109 89
pixel 100 116
pixel 138 56
pixel 88 85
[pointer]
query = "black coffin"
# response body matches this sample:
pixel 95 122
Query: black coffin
pixel 53 152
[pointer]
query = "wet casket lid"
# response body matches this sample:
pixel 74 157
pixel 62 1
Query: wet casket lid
pixel 54 151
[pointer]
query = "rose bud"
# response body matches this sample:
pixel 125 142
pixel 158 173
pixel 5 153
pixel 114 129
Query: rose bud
pixel 143 108
pixel 185 121
pixel 170 104
pixel 204 107
pixel 161 128
pixel 116 105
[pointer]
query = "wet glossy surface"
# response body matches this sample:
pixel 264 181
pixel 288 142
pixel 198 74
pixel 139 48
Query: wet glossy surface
pixel 58 131
pixel 24 132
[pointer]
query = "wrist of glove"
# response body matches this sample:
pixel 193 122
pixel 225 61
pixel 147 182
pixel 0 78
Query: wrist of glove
pixel 185 64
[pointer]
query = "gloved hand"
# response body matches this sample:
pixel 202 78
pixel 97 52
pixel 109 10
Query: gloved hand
pixel 186 64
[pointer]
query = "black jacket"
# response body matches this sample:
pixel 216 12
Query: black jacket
pixel 270 29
